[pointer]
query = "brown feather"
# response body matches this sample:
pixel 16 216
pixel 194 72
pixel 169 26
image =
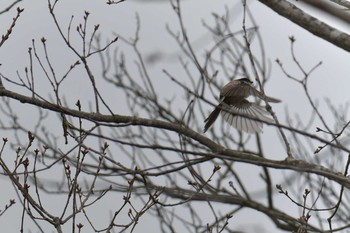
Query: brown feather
pixel 211 118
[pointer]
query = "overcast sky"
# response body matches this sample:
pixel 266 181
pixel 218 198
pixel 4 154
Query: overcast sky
pixel 330 80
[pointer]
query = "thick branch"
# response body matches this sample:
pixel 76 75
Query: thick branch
pixel 310 23
pixel 279 217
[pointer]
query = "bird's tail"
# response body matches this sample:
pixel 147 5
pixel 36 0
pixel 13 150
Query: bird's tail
pixel 211 118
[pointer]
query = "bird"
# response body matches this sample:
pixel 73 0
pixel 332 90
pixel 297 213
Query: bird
pixel 233 99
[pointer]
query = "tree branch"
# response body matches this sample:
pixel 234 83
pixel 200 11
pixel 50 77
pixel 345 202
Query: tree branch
pixel 310 23
pixel 218 150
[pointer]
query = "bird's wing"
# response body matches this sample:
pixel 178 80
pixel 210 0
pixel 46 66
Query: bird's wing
pixel 235 116
pixel 260 95
pixel 236 89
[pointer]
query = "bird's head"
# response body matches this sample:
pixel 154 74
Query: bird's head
pixel 245 80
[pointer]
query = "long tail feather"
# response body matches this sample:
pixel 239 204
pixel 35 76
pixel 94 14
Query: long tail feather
pixel 211 118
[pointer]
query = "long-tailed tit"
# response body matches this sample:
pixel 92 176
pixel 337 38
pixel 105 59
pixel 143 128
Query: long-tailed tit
pixel 233 98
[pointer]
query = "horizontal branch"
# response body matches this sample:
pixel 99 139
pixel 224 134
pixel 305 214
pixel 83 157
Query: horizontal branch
pixel 276 216
pixel 310 23
pixel 217 150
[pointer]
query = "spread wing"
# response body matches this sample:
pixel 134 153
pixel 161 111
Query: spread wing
pixel 262 96
pixel 244 90
pixel 234 115
pixel 236 88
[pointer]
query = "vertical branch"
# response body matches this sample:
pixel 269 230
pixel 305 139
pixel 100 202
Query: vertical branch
pixel 268 106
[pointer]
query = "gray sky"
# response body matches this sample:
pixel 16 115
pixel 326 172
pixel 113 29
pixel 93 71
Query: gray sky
pixel 330 80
